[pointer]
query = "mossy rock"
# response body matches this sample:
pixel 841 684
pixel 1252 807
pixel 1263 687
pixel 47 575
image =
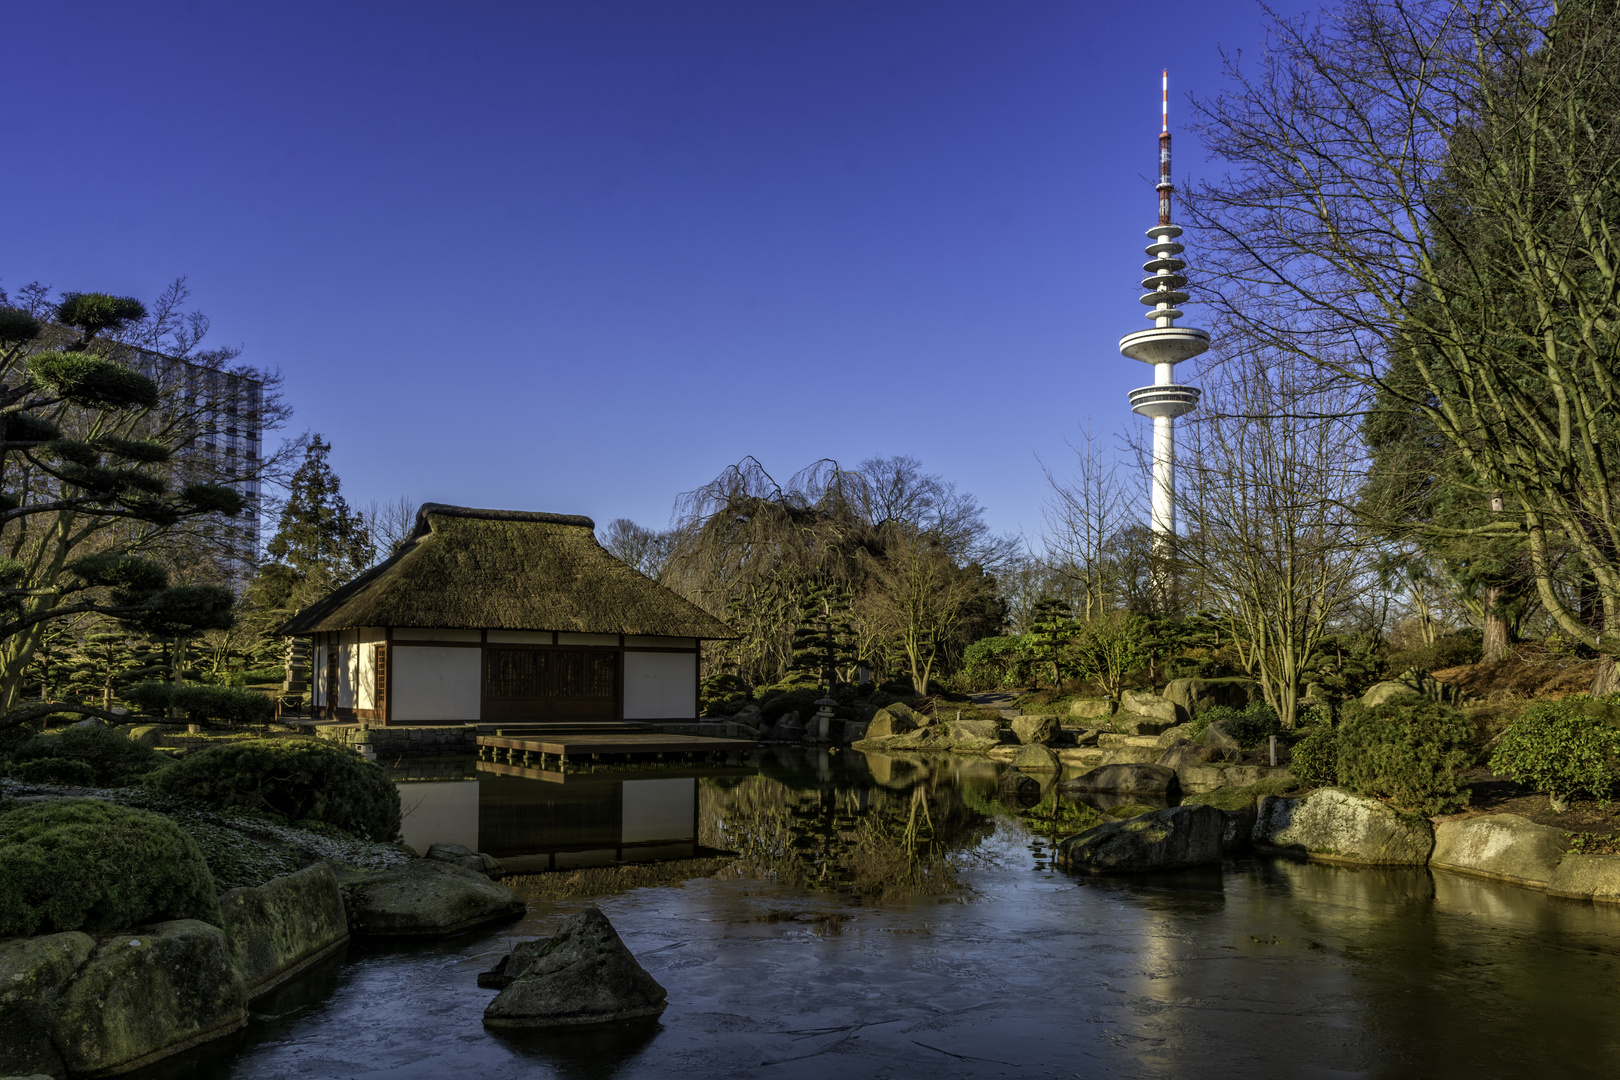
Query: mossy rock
pixel 86 864
pixel 295 780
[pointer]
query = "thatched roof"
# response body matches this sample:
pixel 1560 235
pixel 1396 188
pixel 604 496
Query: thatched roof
pixel 506 570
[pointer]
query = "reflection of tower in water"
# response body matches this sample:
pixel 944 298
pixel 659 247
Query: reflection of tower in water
pixel 1164 345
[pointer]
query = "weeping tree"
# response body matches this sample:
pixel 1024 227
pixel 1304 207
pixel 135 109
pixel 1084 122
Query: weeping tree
pixel 105 459
pixel 836 548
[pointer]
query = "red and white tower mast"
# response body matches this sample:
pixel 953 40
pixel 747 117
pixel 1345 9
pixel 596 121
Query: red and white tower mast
pixel 1166 344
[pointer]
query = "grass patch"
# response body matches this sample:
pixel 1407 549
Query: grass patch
pixel 1241 798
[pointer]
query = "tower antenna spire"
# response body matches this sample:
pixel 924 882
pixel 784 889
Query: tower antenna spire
pixel 1165 345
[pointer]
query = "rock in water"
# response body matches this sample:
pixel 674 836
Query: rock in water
pixel 894 719
pixel 1337 826
pixel 1504 846
pixel 1155 780
pixel 425 898
pixel 279 928
pixel 1036 729
pixel 1033 757
pixel 33 971
pixel 581 975
pixel 476 861
pixel 1163 840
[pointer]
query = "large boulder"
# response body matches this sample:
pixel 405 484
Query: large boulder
pixel 1587 877
pixel 1183 754
pixel 1135 723
pixel 1388 690
pixel 1503 846
pixel 1092 708
pixel 973 734
pixel 425 899
pixel 1336 826
pixel 1147 703
pixel 464 857
pixel 1151 780
pixel 1131 755
pixel 1195 694
pixel 145 994
pixel 33 972
pixel 281 927
pixel 1033 757
pixel 1036 729
pixel 896 719
pixel 1162 840
pixel 583 974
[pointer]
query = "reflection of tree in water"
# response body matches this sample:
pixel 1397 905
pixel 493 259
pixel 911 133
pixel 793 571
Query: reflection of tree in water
pixel 874 843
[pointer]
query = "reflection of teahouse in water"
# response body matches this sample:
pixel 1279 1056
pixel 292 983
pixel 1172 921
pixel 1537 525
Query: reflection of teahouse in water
pixel 573 821
pixel 503 616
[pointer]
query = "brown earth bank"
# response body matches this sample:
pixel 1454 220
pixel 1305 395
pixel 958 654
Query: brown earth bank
pixel 1523 675
pixel 1596 821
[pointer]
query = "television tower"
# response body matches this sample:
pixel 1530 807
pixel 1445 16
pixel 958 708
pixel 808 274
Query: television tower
pixel 1165 345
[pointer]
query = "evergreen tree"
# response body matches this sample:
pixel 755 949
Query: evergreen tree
pixel 319 539
pixel 1051 627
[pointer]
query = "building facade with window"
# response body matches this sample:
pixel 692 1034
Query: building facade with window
pixel 491 616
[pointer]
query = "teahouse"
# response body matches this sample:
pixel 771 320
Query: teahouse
pixel 503 616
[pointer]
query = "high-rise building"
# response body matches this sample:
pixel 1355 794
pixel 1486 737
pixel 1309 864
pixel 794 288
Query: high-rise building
pixel 1164 345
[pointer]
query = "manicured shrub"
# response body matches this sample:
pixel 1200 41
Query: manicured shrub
pixel 114 759
pixel 1315 761
pixel 1563 748
pixel 85 864
pixel 55 770
pixel 802 702
pixel 199 704
pixel 723 693
pixel 291 779
pixel 1409 750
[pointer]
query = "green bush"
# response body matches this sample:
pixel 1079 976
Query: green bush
pixel 1315 761
pixel 114 759
pixel 1250 727
pixel 55 770
pixel 1562 748
pixel 291 779
pixel 723 694
pixel 1409 750
pixel 85 864
pixel 199 704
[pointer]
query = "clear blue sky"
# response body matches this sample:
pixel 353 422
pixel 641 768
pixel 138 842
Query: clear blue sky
pixel 581 256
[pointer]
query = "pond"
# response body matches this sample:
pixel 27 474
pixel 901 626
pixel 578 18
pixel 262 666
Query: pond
pixel 888 918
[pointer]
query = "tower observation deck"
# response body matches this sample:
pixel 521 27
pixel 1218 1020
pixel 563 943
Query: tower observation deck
pixel 1165 344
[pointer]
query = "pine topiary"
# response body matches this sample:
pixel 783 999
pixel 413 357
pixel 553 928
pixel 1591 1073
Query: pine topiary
pixel 1410 750
pixel 291 779
pixel 86 864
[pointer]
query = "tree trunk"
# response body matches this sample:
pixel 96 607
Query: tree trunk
pixel 1607 679
pixel 1495 645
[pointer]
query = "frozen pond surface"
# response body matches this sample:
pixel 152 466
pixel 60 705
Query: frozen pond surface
pixel 1264 968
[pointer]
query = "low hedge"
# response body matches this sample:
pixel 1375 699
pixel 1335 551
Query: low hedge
pixel 86 864
pixel 114 760
pixel 199 704
pixel 55 770
pixel 291 779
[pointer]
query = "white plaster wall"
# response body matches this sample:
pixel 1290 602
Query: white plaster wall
pixel 435 684
pixel 661 642
pixel 660 685
pixel 659 810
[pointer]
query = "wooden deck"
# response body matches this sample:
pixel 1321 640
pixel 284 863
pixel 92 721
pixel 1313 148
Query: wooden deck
pixel 577 746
